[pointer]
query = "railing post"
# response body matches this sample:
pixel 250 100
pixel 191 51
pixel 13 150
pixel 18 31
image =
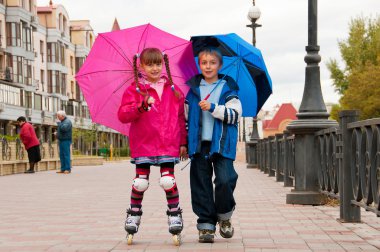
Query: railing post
pixel 287 180
pixel 348 211
pixel 271 156
pixel 252 153
pixel 278 163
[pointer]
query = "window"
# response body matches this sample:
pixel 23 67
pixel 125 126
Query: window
pixel 27 72
pixel 50 81
pixel 63 84
pixel 26 37
pixel 13 34
pixel 42 49
pixel 64 105
pixel 51 52
pixel 70 108
pixel 72 64
pixel 1 33
pixel 42 78
pixel 78 63
pixel 38 101
pixel 16 65
pixel 28 99
pixel 10 95
pixel 62 54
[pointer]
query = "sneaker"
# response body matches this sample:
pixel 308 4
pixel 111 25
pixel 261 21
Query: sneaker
pixel 226 229
pixel 133 221
pixel 59 171
pixel 29 171
pixel 206 236
pixel 67 172
pixel 175 221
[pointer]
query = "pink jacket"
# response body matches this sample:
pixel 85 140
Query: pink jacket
pixel 28 136
pixel 160 131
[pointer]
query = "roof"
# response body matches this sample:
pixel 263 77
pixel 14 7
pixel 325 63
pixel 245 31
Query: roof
pixel 115 26
pixel 285 112
pixel 45 9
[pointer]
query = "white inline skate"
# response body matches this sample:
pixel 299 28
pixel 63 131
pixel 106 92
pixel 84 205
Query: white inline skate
pixel 175 225
pixel 132 224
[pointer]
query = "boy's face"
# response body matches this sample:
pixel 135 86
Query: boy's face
pixel 209 65
pixel 153 71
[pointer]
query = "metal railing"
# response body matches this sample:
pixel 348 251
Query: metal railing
pixel 348 168
pixel 5 150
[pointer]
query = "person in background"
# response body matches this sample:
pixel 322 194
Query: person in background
pixel 64 136
pixel 29 139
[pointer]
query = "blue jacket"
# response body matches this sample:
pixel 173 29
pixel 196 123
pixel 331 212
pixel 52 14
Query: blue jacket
pixel 64 131
pixel 226 113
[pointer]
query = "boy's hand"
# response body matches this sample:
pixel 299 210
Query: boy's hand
pixel 183 153
pixel 205 105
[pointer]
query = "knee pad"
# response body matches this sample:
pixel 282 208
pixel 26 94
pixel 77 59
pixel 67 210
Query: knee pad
pixel 167 183
pixel 140 184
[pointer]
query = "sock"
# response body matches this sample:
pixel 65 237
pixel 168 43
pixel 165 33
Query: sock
pixel 142 171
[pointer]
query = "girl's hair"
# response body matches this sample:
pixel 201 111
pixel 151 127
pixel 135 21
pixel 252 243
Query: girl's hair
pixel 152 56
pixel 211 51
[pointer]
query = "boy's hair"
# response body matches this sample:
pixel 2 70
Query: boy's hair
pixel 21 119
pixel 152 56
pixel 211 51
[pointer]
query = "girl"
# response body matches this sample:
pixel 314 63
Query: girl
pixel 155 108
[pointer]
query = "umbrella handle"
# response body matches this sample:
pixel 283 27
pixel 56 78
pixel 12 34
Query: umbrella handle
pixel 208 96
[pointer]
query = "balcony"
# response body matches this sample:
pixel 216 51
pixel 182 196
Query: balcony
pixel 6 74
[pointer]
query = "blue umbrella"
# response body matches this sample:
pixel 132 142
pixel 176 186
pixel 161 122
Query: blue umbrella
pixel 245 64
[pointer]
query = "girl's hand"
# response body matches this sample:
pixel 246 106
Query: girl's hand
pixel 150 100
pixel 205 105
pixel 183 153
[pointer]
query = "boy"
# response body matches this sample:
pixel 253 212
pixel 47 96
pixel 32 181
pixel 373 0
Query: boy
pixel 214 110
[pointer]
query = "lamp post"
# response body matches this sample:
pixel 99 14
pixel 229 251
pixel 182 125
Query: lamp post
pixel 312 117
pixel 254 14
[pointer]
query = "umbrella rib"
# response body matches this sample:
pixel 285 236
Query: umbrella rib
pixel 116 47
pixel 227 48
pixel 103 71
pixel 122 84
pixel 142 35
pixel 176 47
pixel 115 92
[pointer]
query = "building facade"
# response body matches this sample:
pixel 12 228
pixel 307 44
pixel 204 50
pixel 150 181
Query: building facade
pixel 41 50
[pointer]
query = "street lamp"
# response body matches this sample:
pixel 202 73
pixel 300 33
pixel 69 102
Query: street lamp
pixel 254 14
pixel 311 117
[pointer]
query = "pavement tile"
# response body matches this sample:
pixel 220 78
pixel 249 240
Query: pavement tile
pixel 86 211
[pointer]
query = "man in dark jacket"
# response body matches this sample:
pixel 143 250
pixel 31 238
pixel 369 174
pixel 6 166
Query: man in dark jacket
pixel 64 135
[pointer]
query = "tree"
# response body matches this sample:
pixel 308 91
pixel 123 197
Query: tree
pixel 358 82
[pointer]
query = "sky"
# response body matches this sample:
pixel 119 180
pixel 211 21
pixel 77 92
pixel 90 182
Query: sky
pixel 281 39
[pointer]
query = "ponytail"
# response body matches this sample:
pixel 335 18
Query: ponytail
pixel 136 74
pixel 166 60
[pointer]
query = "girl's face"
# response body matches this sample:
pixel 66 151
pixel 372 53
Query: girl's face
pixel 153 71
pixel 209 65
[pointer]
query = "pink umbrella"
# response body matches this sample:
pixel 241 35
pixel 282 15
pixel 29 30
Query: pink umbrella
pixel 108 69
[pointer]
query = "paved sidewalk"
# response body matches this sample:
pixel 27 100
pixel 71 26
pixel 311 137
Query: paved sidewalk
pixel 85 211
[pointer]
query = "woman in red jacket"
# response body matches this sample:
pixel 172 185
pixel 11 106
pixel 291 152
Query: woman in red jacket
pixel 29 139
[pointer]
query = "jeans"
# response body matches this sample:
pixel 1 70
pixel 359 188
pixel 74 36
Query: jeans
pixel 64 155
pixel 208 205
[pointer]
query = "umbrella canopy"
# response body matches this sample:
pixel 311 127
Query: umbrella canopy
pixel 108 69
pixel 245 64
